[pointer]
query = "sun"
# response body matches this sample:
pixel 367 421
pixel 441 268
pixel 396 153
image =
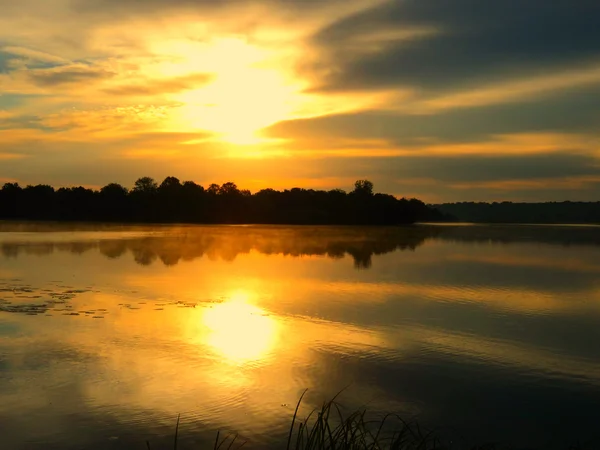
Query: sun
pixel 247 90
pixel 240 331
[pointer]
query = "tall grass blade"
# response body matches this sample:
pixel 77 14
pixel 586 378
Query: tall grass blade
pixel 176 432
pixel 294 419
pixel 232 441
pixel 215 447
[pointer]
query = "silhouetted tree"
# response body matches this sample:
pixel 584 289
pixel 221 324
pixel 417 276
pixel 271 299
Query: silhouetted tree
pixel 76 203
pixel 145 185
pixel 229 188
pixel 363 187
pixel 38 202
pixel 193 198
pixel 114 190
pixel 10 200
pixel 173 201
pixel 170 200
pixel 213 189
pixel 113 203
pixel 143 196
pixel 170 184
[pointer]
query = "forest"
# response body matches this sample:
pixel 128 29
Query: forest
pixel 509 212
pixel 174 202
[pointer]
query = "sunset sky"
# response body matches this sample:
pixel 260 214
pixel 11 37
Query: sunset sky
pixel 444 100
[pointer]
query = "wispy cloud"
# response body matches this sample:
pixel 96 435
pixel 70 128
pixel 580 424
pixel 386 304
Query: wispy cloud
pixel 33 55
pixel 67 74
pixel 161 86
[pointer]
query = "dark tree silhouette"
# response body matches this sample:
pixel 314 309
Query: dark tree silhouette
pixel 144 200
pixel 363 187
pixel 38 201
pixel 114 190
pixel 112 202
pixel 11 195
pixel 147 185
pixel 172 201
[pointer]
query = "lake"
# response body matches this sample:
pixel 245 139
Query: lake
pixel 107 333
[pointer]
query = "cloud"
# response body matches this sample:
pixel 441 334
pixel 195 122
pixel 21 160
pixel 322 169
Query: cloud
pixel 570 111
pixel 473 168
pixel 10 122
pixel 547 175
pixel 67 74
pixel 513 91
pixel 474 41
pixel 5 62
pixel 32 55
pixel 561 183
pixel 161 86
pixel 14 101
pixel 107 123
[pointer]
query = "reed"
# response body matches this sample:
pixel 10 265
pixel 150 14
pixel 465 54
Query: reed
pixel 328 428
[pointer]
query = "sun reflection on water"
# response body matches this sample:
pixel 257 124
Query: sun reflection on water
pixel 239 330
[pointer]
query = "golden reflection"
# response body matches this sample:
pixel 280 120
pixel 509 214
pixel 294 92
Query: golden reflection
pixel 239 330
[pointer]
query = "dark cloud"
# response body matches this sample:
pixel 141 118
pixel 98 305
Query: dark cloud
pixel 538 177
pixel 22 121
pixel 165 86
pixel 11 60
pixel 57 76
pixel 470 168
pixel 570 111
pixel 8 101
pixel 5 62
pixel 441 193
pixel 476 40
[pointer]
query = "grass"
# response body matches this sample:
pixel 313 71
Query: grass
pixel 328 428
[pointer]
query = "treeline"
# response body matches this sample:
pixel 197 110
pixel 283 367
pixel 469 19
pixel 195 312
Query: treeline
pixel 188 202
pixel 508 212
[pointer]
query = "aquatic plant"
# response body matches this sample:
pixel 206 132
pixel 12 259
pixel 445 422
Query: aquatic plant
pixel 327 428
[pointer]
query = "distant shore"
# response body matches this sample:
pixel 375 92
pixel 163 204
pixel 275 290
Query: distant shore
pixel 523 213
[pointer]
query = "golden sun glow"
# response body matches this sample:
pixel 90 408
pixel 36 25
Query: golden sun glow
pixel 247 91
pixel 239 330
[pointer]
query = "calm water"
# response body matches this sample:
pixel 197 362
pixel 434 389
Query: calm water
pixel 107 333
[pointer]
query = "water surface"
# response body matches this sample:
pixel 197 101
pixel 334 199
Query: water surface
pixel 108 332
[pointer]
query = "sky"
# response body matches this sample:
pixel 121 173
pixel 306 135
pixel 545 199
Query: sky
pixel 443 100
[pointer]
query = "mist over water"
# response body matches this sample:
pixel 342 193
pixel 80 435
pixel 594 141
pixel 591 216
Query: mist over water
pixel 108 332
